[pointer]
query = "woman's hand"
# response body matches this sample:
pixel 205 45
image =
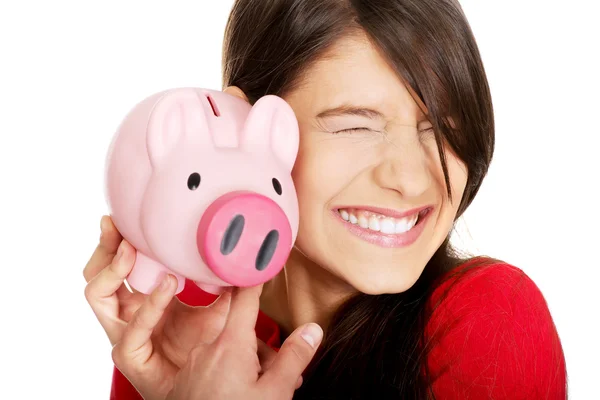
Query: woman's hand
pixel 152 336
pixel 228 367
pixel 148 350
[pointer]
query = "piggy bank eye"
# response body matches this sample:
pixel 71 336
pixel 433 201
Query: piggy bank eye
pixel 276 186
pixel 193 181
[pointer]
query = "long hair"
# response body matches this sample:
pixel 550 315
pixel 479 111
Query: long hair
pixel 374 347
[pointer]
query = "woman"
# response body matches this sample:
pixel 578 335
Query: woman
pixel 397 134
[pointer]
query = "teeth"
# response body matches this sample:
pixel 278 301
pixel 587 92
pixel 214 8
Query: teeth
pixel 374 223
pixel 344 214
pixel 403 226
pixel 379 223
pixel 363 222
pixel 387 226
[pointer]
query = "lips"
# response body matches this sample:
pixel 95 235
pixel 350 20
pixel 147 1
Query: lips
pixel 384 227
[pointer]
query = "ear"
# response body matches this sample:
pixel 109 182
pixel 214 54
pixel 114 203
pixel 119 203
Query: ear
pixel 236 91
pixel 177 116
pixel 272 126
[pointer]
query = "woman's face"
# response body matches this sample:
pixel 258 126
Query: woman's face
pixel 373 202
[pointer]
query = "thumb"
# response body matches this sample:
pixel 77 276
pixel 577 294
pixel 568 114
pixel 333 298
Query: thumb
pixel 293 358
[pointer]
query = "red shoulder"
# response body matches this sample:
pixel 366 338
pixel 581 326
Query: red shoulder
pixel 492 336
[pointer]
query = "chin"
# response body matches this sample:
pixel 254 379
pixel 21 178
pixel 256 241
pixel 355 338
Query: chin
pixel 381 279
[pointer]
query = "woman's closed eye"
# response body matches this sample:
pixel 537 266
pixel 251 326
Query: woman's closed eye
pixel 357 129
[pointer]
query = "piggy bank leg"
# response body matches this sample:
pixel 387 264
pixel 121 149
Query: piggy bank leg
pixel 148 273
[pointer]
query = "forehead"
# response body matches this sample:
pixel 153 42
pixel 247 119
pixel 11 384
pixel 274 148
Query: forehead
pixel 354 71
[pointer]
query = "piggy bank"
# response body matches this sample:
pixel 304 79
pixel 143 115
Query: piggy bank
pixel 199 182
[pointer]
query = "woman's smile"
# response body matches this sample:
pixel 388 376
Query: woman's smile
pixel 384 227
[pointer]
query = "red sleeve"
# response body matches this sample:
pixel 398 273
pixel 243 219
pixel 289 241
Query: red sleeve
pixel 493 337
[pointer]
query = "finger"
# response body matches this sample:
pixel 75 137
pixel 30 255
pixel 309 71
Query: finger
pixel 110 239
pixel 222 303
pixel 129 303
pixel 220 307
pixel 136 343
pixel 243 311
pixel 266 356
pixel 113 276
pixel 101 294
pixel 210 319
pixel 293 358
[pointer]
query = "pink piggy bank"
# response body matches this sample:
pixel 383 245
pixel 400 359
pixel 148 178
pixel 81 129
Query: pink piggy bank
pixel 199 182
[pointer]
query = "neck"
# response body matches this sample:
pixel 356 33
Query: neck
pixel 303 292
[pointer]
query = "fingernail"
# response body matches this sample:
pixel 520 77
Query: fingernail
pixel 312 334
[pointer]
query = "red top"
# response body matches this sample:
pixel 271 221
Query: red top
pixel 493 336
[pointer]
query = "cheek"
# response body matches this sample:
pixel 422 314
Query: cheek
pixel 457 174
pixel 321 170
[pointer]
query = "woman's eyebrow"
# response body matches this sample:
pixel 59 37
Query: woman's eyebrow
pixel 360 111
pixel 346 109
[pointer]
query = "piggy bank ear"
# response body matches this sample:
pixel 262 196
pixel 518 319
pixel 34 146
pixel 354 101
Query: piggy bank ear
pixel 272 126
pixel 177 116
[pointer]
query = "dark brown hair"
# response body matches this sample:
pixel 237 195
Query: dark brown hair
pixel 375 346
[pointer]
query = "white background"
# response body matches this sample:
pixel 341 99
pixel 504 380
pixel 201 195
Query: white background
pixel 70 70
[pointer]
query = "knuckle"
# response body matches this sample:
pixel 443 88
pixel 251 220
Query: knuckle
pixel 89 292
pixel 300 349
pixel 117 355
pixel 92 267
pixel 113 264
pixel 138 322
pixel 122 360
pixel 155 302
pixel 115 269
pixel 196 353
pixel 226 338
pixel 197 356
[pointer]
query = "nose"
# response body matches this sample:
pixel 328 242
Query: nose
pixel 244 238
pixel 405 170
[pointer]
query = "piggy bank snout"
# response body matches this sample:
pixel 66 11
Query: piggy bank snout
pixel 244 238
